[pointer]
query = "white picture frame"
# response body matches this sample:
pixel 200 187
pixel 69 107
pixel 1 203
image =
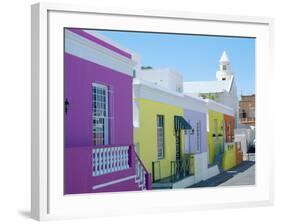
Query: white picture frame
pixel 48 201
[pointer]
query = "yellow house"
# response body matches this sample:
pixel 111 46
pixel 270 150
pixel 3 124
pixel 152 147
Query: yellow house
pixel 216 132
pixel 158 128
pixel 229 156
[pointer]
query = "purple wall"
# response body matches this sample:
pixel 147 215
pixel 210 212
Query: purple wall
pixel 193 117
pixel 79 179
pixel 79 76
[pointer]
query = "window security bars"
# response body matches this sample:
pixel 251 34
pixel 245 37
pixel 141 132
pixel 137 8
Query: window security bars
pixel 198 136
pixel 100 114
pixel 160 136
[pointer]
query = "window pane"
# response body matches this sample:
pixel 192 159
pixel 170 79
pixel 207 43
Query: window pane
pixel 100 114
pixel 160 136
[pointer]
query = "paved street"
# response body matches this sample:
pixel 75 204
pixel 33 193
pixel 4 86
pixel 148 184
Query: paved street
pixel 246 177
pixel 244 174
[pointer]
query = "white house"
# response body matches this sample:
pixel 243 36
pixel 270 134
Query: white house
pixel 222 90
pixel 165 78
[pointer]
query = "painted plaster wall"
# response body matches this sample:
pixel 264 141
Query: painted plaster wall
pixel 211 141
pixel 229 156
pixel 79 76
pixel 230 99
pixel 229 132
pixel 201 166
pixel 243 141
pixel 145 137
pixel 239 154
pixel 212 171
pixel 191 139
pixel 78 174
pixel 166 78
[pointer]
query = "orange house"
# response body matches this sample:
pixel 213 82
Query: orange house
pixel 239 154
pixel 229 128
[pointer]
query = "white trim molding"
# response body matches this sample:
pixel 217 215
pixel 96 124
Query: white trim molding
pixel 113 182
pixel 88 50
pixel 212 105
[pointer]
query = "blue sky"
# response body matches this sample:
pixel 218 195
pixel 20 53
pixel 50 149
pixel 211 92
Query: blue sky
pixel 195 57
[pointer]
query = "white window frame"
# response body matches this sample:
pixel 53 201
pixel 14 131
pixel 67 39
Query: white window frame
pixel 160 148
pixel 198 136
pixel 106 117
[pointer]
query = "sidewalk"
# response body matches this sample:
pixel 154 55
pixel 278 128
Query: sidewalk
pixel 243 174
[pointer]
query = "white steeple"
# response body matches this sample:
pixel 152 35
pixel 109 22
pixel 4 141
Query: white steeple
pixel 224 72
pixel 224 58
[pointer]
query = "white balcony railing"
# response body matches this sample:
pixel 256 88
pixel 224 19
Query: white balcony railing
pixel 110 159
pixel 140 175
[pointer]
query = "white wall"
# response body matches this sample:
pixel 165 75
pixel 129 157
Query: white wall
pixel 15 110
pixel 163 77
pixel 243 141
pixel 248 132
pixel 213 105
pixel 228 100
pixel 201 167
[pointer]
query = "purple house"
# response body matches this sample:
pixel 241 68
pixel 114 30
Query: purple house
pixel 196 140
pixel 99 155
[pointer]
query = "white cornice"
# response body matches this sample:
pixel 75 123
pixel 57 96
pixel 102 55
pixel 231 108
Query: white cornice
pixel 147 90
pixel 218 107
pixel 111 42
pixel 88 50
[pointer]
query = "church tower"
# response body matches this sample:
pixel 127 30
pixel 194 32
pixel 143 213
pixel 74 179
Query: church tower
pixel 224 72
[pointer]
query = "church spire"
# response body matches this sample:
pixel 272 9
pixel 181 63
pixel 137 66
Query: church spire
pixel 224 72
pixel 224 58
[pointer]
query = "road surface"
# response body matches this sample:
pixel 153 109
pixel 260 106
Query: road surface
pixel 243 174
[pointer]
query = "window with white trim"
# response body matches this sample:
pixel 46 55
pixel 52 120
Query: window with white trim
pixel 100 114
pixel 198 136
pixel 160 136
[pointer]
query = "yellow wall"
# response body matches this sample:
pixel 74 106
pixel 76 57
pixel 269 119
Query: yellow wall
pixel 229 156
pixel 145 137
pixel 211 144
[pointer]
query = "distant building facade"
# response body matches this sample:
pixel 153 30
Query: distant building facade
pixel 247 107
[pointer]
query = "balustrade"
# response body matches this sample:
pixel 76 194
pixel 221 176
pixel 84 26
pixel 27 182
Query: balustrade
pixel 110 159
